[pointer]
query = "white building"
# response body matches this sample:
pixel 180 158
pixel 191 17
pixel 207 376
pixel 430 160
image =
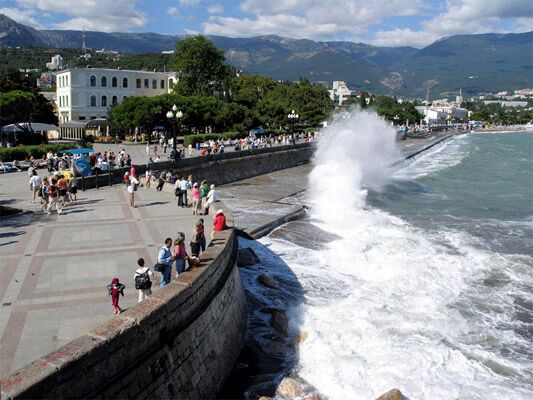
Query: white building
pixel 88 93
pixel 56 63
pixel 340 92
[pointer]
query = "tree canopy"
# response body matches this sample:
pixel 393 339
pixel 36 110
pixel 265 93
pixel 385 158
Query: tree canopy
pixel 201 67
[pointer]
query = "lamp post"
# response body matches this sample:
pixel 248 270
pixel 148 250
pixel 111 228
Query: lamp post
pixel 293 119
pixel 396 119
pixel 174 116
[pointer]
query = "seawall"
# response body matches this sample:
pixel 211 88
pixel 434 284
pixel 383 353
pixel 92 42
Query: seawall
pixel 219 168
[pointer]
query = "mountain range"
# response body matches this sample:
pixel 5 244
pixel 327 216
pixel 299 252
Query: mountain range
pixel 473 63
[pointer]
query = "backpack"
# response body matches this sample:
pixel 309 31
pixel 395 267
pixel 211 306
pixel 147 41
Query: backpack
pixel 135 187
pixel 142 281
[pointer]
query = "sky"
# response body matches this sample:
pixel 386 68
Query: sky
pixel 414 23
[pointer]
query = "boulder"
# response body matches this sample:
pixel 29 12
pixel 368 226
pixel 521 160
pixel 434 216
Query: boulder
pixel 267 280
pixel 279 322
pixel 393 394
pixel 246 257
pixel 289 388
pixel 264 398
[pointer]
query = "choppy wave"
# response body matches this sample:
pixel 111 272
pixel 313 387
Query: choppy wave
pixel 391 305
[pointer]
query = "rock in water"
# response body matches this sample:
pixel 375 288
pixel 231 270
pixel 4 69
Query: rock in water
pixel 280 322
pixel 289 388
pixel 267 280
pixel 246 257
pixel 393 394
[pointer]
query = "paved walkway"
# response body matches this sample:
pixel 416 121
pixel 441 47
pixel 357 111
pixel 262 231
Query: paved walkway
pixel 54 269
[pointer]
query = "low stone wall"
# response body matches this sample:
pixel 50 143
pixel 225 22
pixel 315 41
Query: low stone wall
pixel 180 343
pixel 219 168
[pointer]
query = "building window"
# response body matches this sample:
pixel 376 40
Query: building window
pixel 124 82
pixel 81 118
pixel 124 98
pixel 154 83
pixel 114 82
pixel 103 81
pixel 162 83
pixel 60 101
pixel 93 101
pixel 104 101
pixel 138 83
pixel 146 84
pixel 93 117
pixel 114 100
pixel 66 79
pixel 93 80
pixel 66 98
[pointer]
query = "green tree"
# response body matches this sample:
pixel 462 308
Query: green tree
pixel 201 67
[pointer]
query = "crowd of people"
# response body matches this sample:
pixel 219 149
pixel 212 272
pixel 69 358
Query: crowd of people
pixel 173 254
pixel 55 191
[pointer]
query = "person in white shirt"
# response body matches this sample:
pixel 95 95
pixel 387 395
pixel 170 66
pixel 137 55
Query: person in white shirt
pixel 147 150
pixel 35 185
pixel 147 272
pixel 132 188
pixel 212 196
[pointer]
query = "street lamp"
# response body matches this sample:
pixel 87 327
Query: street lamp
pixel 174 116
pixel 293 119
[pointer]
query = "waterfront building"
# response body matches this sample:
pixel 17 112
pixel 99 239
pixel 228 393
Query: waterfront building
pixel 56 63
pixel 88 93
pixel 46 80
pixel 340 92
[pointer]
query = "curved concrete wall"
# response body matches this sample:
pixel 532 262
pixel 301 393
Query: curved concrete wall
pixel 180 343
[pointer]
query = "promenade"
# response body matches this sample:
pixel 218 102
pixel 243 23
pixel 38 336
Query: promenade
pixel 54 268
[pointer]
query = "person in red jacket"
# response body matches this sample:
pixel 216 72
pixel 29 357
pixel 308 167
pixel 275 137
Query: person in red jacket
pixel 219 223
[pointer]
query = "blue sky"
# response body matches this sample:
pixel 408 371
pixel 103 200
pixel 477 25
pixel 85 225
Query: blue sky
pixel 380 22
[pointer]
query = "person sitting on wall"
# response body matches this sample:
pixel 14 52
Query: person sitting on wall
pixel 219 223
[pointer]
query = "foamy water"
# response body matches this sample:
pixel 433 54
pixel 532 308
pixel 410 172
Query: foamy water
pixel 390 304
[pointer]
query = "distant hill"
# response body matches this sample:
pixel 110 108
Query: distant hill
pixel 475 63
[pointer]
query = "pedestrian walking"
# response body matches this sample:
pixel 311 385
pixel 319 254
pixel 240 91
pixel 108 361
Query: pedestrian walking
pixel 148 176
pixel 204 191
pixel 53 192
pixel 143 280
pixel 132 188
pixel 164 262
pixel 44 194
pixel 115 289
pixel 35 185
pixel 73 190
pixel 196 198
pixel 147 150
pixel 63 185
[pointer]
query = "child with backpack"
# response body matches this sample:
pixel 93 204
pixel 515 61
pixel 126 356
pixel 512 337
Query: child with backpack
pixel 143 281
pixel 115 289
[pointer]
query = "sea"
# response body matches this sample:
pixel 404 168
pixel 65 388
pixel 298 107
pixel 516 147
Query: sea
pixel 415 275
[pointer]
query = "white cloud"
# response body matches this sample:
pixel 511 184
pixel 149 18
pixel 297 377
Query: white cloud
pixel 319 19
pixel 215 9
pixel 99 15
pixel 25 17
pixel 189 3
pixel 172 10
pixel 464 17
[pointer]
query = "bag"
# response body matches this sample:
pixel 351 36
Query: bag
pixel 40 192
pixel 177 192
pixel 160 267
pixel 135 187
pixel 142 281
